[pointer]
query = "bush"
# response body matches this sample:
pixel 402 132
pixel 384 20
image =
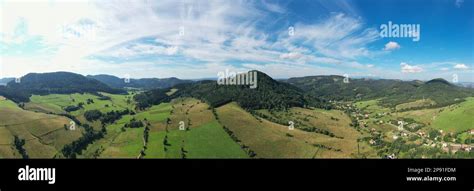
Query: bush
pixel 93 115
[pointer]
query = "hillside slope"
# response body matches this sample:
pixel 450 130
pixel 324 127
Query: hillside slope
pixel 269 94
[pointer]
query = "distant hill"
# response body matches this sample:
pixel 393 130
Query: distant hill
pixel 56 82
pixel 391 92
pixel 269 94
pixel 4 81
pixel 439 80
pixel 466 84
pixel 145 83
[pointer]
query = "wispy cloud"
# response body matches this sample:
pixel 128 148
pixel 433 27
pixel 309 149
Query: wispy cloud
pixel 189 39
pixel 273 7
pixel 211 31
pixel 338 36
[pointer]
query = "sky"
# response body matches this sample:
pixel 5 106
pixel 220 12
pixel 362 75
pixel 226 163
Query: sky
pixel 198 39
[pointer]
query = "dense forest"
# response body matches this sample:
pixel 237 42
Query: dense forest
pixel 269 94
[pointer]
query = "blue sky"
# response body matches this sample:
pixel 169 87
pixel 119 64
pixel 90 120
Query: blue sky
pixel 196 39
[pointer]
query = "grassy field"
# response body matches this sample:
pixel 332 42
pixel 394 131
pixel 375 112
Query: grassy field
pixel 205 138
pixel 157 113
pixel 414 104
pixel 56 103
pixel 456 118
pixel 206 141
pixel 6 148
pixel 127 144
pixel 44 134
pixel 271 140
pixel 155 148
pixel 371 106
pixel 426 116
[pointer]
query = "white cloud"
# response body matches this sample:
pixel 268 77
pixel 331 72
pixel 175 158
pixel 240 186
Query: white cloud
pixel 339 36
pixel 444 69
pixel 461 66
pixel 290 70
pixel 172 50
pixel 291 55
pixel 273 7
pixel 140 49
pixel 391 46
pixel 214 32
pixel 370 65
pixel 406 68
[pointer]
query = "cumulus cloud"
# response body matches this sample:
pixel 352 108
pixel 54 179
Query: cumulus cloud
pixel 391 46
pixel 461 66
pixel 406 68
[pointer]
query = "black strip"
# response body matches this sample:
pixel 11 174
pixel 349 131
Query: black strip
pixel 368 174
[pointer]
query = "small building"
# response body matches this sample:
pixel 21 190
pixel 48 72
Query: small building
pixel 372 141
pixel 421 133
pixel 392 156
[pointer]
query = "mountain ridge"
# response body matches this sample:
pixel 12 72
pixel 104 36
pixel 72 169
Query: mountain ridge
pixel 146 83
pixel 392 92
pixel 54 82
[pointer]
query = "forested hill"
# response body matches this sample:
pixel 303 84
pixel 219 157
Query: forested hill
pixel 56 82
pixel 391 92
pixel 269 94
pixel 4 81
pixel 144 83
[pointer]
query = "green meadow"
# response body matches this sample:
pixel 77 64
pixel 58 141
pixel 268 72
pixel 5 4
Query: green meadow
pixel 56 103
pixel 44 134
pixel 206 141
pixel 456 118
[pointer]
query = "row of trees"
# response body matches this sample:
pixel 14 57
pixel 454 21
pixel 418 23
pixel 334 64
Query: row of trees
pixel 134 123
pixel 77 146
pixel 19 143
pixel 105 118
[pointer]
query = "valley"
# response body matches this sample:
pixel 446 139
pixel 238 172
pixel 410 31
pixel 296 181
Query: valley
pixel 204 120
